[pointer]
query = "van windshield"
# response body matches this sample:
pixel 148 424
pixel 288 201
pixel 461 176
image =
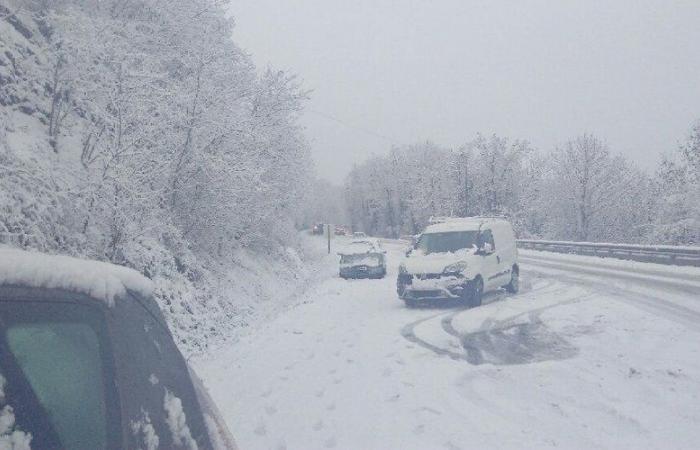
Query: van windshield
pixel 447 242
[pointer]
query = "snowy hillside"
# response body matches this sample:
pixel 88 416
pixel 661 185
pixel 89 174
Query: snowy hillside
pixel 145 137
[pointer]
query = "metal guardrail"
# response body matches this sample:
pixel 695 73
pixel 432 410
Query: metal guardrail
pixel 662 254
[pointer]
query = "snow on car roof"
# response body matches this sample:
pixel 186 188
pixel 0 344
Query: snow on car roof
pixel 461 224
pixel 360 246
pixel 99 280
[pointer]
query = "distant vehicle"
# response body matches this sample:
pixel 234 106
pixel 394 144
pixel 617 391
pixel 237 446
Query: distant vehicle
pixel 374 243
pixel 317 229
pixel 363 258
pixel 460 258
pixel 87 362
pixel 359 234
pixel 341 230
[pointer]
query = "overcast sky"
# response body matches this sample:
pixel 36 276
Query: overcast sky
pixel 386 71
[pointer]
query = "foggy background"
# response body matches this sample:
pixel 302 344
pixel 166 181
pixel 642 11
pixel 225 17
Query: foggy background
pixel 394 72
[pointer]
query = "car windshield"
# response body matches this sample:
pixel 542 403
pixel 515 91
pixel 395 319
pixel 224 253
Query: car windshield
pixel 447 242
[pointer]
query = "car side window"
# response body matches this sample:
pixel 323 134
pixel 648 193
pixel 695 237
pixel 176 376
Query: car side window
pixel 56 364
pixel 62 363
pixel 21 415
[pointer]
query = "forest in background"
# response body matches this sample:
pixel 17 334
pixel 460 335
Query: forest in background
pixel 580 191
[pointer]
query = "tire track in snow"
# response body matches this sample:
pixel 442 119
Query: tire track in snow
pixel 638 269
pixel 684 286
pixel 650 303
pixel 408 331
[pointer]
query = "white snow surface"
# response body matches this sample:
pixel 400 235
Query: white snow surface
pixel 217 440
pixel 11 438
pixel 99 280
pixel 177 422
pixel 576 360
pixel 145 429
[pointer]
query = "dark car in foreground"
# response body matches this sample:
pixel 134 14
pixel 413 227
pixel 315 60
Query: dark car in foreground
pixel 88 362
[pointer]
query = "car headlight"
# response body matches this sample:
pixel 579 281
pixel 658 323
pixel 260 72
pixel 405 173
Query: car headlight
pixel 455 269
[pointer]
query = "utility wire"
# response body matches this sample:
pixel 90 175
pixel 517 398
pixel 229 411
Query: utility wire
pixel 363 130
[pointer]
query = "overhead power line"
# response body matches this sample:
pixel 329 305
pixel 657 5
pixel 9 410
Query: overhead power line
pixel 353 127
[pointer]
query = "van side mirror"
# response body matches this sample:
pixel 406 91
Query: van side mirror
pixel 486 249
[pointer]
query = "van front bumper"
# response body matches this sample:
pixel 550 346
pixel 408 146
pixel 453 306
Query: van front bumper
pixel 431 287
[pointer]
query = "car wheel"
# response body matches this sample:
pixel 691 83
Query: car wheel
pixel 514 284
pixel 400 289
pixel 410 303
pixel 477 292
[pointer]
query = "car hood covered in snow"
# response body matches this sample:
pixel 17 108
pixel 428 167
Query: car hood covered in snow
pixel 435 262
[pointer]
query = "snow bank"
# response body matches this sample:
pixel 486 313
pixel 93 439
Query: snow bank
pixel 232 297
pixel 99 280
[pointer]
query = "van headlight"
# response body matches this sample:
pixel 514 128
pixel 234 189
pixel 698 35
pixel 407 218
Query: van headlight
pixel 455 269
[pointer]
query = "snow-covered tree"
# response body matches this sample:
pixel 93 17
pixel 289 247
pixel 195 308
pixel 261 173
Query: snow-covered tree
pixel 138 132
pixel 678 217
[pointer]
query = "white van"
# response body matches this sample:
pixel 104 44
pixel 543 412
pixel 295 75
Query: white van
pixel 460 258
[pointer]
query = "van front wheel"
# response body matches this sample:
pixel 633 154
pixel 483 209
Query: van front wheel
pixel 476 292
pixel 514 286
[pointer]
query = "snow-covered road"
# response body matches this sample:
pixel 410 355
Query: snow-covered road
pixel 591 354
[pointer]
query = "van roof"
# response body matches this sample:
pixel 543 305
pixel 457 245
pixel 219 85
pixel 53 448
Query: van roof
pixel 99 280
pixel 447 224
